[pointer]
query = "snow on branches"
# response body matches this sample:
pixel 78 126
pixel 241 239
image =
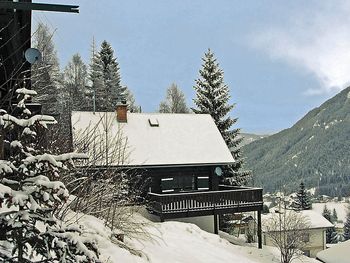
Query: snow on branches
pixel 31 191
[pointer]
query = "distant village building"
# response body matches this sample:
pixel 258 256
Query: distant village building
pixel 183 154
pixel 314 236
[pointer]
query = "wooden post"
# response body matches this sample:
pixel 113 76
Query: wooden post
pixel 1 143
pixel 259 230
pixel 216 228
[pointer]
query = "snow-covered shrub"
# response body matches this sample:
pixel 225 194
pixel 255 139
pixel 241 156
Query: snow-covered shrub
pixel 30 192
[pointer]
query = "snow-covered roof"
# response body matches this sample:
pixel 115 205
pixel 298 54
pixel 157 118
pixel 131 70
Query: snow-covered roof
pixel 314 219
pixel 179 139
pixel 338 253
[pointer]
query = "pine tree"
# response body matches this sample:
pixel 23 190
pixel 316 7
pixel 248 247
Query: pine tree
pixel 46 73
pixel 346 234
pixel 98 90
pixel 30 189
pixel 331 234
pixel 114 90
pixel 174 102
pixel 303 201
pixel 327 213
pixel 212 97
pixel 106 87
pixel 334 215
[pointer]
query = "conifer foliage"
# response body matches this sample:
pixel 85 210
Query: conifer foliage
pixel 346 234
pixel 31 191
pixel 303 201
pixel 105 78
pixel 331 234
pixel 212 97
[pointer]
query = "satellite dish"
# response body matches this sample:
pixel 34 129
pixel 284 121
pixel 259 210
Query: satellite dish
pixel 32 55
pixel 218 171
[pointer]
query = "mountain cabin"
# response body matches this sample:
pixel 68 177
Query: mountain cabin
pixel 183 155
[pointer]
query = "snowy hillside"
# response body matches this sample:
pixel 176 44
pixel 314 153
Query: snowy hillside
pixel 314 151
pixel 177 242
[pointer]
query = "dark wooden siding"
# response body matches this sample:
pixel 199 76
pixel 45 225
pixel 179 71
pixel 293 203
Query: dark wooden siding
pixel 166 172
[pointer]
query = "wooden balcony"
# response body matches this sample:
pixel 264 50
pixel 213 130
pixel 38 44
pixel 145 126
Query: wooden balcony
pixel 227 199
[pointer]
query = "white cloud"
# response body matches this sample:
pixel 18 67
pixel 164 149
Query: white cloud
pixel 317 41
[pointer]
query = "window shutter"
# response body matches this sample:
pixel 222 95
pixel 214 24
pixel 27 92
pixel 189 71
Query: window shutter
pixel 167 185
pixel 203 182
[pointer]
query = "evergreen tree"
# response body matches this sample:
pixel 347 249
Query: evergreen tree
pixel 30 189
pixel 114 90
pixel 174 102
pixel 303 201
pixel 105 79
pixel 98 91
pixel 46 73
pixel 327 213
pixel 331 234
pixel 334 215
pixel 346 234
pixel 212 97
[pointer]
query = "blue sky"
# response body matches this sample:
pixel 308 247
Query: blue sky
pixel 280 58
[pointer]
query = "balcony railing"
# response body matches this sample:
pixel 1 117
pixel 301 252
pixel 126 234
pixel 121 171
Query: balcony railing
pixel 226 200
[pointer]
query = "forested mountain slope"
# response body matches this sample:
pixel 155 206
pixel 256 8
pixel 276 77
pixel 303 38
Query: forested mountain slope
pixel 315 150
pixel 250 137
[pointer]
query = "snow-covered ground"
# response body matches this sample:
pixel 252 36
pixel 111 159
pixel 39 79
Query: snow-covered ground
pixel 177 242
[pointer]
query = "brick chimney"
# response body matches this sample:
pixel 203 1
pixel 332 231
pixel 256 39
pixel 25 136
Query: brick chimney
pixel 122 109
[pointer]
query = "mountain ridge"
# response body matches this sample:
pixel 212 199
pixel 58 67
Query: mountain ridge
pixel 314 150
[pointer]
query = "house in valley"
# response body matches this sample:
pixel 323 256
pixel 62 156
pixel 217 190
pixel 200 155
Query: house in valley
pixel 313 236
pixel 183 155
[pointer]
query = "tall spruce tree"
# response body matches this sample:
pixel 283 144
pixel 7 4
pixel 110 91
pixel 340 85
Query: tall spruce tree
pixel 331 234
pixel 303 201
pixel 97 91
pixel 31 190
pixel 212 97
pixel 346 234
pixel 111 76
pixel 105 79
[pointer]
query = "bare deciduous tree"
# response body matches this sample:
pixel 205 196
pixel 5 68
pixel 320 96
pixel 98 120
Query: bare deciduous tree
pixel 174 102
pixel 286 230
pixel 102 188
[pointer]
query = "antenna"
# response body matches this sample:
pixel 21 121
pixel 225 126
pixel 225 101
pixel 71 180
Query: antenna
pixel 32 55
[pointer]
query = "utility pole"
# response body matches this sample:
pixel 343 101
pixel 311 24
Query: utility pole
pixel 15 39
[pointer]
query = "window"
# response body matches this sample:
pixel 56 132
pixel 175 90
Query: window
pixel 203 182
pixel 183 183
pixel 306 237
pixel 167 185
pixel 306 253
pixel 177 183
